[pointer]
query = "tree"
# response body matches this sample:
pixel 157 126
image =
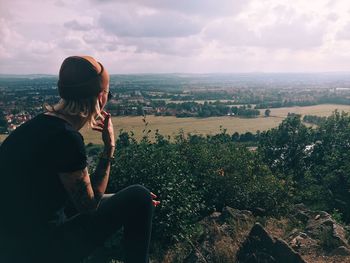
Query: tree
pixel 267 112
pixel 284 148
pixel 3 123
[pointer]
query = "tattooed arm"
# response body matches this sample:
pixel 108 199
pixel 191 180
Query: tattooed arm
pixel 86 193
pixel 100 177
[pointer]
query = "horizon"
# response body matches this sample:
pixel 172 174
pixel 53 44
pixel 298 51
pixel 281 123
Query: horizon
pixel 197 73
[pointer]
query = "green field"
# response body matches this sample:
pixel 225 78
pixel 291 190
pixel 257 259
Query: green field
pixel 172 125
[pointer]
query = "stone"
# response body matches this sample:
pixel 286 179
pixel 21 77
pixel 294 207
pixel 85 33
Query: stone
pixel 220 234
pixel 341 251
pixel 316 227
pixel 303 235
pixel 301 216
pixel 260 246
pixel 258 211
pixel 236 215
pixel 215 215
pixel 282 252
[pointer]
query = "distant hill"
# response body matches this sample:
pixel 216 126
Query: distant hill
pixel 181 81
pixel 27 76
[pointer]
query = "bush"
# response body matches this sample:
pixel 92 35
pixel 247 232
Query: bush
pixel 194 176
pixel 161 168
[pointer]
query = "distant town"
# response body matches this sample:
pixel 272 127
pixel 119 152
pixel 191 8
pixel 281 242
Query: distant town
pixel 240 95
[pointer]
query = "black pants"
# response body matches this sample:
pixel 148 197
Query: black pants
pixel 130 208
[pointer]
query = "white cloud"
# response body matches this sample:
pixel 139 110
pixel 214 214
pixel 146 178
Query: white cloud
pixel 75 25
pixel 332 17
pixel 208 8
pixel 344 33
pixel 176 36
pixel 286 30
pixel 157 25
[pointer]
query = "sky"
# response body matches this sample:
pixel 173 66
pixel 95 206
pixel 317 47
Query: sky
pixel 176 36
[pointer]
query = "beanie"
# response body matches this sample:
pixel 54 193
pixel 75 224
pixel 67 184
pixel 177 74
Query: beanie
pixel 78 79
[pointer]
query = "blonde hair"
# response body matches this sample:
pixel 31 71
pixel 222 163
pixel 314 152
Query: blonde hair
pixel 87 109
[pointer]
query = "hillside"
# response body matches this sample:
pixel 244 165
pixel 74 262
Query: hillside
pixel 196 178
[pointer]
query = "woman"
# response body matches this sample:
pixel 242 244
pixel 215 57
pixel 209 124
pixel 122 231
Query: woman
pixel 43 168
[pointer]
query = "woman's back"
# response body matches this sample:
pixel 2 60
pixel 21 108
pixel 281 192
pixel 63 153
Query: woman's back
pixel 30 159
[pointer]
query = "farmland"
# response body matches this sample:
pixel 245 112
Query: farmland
pixel 171 125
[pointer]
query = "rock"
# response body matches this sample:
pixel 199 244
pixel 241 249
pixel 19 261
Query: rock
pixel 215 215
pixel 260 233
pixel 301 216
pixel 235 214
pixel 194 257
pixel 296 242
pixel 258 211
pixel 284 253
pixel 293 233
pixel 302 243
pixel 341 251
pixel 261 247
pixel 221 235
pixel 322 222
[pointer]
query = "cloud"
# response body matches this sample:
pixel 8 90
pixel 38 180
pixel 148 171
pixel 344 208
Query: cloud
pixel 209 8
pixel 75 25
pixel 59 3
pixel 100 41
pixel 344 33
pixel 294 35
pixel 71 43
pixel 176 36
pixel 157 25
pixel 287 30
pixel 183 47
pixel 332 17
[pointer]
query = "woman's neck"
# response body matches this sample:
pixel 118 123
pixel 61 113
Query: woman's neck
pixel 76 121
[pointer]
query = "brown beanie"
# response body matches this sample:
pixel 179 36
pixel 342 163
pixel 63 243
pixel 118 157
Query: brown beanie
pixel 78 79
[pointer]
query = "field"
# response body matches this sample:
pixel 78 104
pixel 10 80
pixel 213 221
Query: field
pixel 171 125
pixel 197 101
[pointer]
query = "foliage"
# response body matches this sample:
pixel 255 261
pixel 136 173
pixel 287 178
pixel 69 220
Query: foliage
pixel 313 119
pixel 315 161
pixel 161 169
pixel 3 123
pixel 194 176
pixel 285 148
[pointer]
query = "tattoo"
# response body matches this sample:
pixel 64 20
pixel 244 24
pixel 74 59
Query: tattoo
pixel 81 195
pixel 100 173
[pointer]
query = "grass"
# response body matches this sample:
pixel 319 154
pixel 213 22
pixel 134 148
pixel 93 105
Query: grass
pixel 171 125
pixel 319 110
pixel 2 137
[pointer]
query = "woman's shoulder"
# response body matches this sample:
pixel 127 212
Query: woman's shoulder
pixel 69 136
pixel 66 129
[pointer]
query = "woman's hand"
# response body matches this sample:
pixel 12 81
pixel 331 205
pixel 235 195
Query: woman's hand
pixel 154 202
pixel 105 126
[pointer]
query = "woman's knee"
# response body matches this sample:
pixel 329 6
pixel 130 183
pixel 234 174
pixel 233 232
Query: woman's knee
pixel 140 194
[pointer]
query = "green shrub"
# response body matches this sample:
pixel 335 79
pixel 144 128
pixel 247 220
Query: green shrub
pixel 194 176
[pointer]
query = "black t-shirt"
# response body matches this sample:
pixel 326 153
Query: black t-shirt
pixel 31 157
